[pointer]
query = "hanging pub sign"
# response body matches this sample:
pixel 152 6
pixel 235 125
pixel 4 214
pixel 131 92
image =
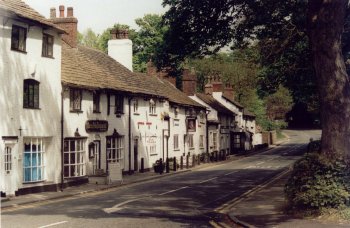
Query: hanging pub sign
pixel 96 126
pixel 191 124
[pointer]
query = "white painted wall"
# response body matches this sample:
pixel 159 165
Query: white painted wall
pixel 233 108
pixel 44 122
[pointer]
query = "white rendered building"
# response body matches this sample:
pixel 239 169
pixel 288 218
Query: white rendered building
pixel 30 85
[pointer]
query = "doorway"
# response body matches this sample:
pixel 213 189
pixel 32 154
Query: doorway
pixel 97 155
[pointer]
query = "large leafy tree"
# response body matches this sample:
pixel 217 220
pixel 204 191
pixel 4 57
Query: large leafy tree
pixel 201 27
pixel 148 38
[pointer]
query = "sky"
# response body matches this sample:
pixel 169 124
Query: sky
pixel 101 14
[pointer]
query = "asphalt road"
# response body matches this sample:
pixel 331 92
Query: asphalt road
pixel 184 200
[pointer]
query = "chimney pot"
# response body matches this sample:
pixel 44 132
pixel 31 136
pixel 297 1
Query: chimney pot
pixel 61 8
pixel 53 12
pixel 119 34
pixel 70 12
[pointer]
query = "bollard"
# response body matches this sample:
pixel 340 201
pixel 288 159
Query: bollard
pixel 181 163
pixel 199 159
pixel 142 166
pixel 167 168
pixel 187 161
pixel 175 164
pixel 216 156
pixel 193 160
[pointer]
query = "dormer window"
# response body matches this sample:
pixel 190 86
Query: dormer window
pixel 30 94
pixel 48 41
pixel 18 38
pixel 152 107
pixel 119 104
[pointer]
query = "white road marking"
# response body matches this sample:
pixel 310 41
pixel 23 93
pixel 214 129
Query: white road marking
pixel 208 180
pixel 175 190
pixel 53 224
pixel 230 173
pixel 116 207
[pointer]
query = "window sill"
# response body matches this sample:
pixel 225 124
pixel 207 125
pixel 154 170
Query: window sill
pixel 34 183
pixel 136 114
pixel 153 114
pixel 96 112
pixel 76 111
pixel 32 108
pixel 191 148
pixel 17 50
pixel 49 57
pixel 176 149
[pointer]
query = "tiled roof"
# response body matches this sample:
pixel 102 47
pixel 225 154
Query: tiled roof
pixel 233 101
pixel 89 68
pixel 214 104
pixel 92 69
pixel 20 9
pixel 168 90
pixel 247 113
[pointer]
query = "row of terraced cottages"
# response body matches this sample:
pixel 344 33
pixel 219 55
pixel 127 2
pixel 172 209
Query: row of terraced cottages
pixel 70 112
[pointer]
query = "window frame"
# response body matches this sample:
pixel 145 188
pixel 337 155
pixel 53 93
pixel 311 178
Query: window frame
pixel 96 102
pixel 16 46
pixel 31 101
pixel 47 46
pixel 77 167
pixel 190 141
pixel 176 141
pixel 201 141
pixel 136 105
pixel 115 149
pixel 119 104
pixel 8 159
pixel 39 167
pixel 75 94
pixel 153 108
pixel 215 140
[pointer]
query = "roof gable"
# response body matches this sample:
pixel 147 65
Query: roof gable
pixel 17 8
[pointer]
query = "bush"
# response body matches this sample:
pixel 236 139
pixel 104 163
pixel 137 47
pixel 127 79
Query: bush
pixel 317 183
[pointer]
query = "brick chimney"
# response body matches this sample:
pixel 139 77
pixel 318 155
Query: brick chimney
pixel 151 69
pixel 120 47
pixel 214 84
pixel 228 91
pixel 189 82
pixel 69 24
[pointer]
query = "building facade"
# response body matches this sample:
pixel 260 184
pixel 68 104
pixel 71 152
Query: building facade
pixel 30 64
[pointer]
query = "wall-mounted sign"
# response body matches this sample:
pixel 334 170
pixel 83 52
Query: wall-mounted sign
pixel 96 126
pixel 191 124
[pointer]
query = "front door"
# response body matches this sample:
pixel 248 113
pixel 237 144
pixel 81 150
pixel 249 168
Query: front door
pixel 97 156
pixel 136 155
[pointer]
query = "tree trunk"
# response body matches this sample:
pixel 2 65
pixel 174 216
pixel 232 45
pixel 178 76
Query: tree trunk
pixel 325 27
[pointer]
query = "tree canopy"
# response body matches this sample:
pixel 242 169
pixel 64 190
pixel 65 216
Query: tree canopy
pixel 287 33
